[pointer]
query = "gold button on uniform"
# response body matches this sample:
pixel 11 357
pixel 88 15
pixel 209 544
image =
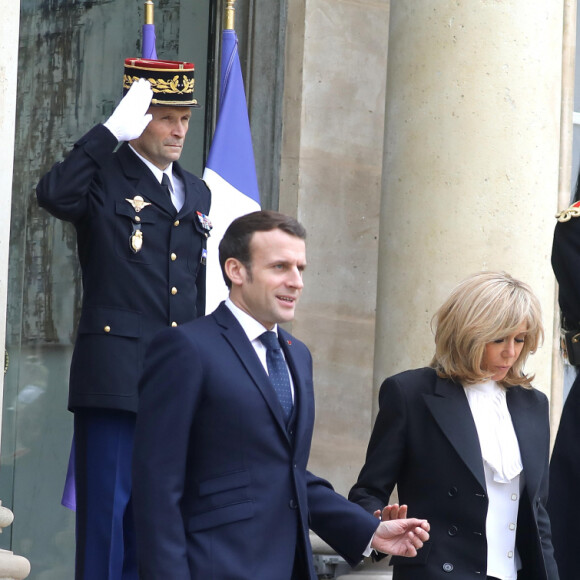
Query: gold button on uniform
pixel 174 324
pixel 176 223
pixel 107 329
pixel 174 291
pixel 137 218
pixel 173 257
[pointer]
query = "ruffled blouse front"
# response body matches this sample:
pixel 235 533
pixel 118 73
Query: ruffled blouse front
pixel 497 437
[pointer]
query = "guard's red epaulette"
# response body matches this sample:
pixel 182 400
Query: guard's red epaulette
pixel 567 214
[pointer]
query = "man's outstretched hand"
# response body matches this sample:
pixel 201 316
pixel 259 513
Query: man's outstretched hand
pixel 401 537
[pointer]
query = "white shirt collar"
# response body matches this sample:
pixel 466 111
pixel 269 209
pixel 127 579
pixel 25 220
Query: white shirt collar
pixel 251 326
pixel 154 169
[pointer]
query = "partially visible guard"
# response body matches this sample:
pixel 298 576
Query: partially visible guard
pixel 564 501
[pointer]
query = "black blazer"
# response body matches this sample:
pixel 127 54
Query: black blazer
pixel 425 442
pixel 220 484
pixel 127 297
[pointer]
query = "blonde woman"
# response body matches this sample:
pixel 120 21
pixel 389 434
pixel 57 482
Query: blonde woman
pixel 466 441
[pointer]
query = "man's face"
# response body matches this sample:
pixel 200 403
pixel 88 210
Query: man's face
pixel 163 138
pixel 270 291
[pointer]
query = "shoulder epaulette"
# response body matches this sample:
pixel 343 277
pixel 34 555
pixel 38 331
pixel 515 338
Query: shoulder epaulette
pixel 567 214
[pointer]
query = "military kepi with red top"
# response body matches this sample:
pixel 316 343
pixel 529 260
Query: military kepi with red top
pixel 172 81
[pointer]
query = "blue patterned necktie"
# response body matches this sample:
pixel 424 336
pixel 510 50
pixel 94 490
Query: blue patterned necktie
pixel 278 371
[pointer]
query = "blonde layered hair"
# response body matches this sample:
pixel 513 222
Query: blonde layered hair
pixel 485 307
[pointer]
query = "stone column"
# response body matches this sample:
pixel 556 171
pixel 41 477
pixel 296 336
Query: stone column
pixel 330 179
pixel 11 567
pixel 470 166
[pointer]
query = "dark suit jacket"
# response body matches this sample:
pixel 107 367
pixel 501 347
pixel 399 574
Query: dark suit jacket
pixel 425 441
pixel 127 296
pixel 221 488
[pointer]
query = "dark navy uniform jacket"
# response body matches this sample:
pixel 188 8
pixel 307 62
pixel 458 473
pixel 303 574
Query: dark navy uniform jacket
pixel 128 296
pixel 564 502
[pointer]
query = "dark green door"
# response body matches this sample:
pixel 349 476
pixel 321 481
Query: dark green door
pixel 70 75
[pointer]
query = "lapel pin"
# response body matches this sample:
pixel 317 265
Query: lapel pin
pixel 138 203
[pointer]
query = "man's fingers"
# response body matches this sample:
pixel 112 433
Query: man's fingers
pixel 141 94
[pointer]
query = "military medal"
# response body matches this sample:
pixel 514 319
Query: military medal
pixel 204 221
pixel 136 239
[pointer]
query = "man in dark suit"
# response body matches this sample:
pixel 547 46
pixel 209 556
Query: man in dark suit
pixel 224 428
pixel 141 247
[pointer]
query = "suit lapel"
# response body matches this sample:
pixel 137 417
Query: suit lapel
pixel 236 337
pixel 527 422
pixel 301 395
pixel 451 411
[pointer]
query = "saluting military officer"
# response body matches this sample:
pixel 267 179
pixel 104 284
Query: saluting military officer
pixel 141 231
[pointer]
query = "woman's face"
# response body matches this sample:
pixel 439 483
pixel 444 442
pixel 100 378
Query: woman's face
pixel 500 355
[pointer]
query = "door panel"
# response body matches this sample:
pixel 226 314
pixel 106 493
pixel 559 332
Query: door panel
pixel 70 78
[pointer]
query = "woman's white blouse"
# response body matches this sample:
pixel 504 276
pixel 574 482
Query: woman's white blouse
pixel 503 475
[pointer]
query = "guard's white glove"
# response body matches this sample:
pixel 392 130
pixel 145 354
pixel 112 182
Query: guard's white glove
pixel 130 117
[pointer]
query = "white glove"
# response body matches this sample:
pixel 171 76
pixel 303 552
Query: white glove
pixel 130 117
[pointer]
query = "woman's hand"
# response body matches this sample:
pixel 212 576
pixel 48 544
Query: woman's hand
pixel 391 512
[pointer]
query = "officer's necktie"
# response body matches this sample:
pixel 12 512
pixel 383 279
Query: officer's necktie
pixel 278 371
pixel 166 184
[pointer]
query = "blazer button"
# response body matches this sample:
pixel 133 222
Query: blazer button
pixel 176 223
pixel 293 504
pixel 452 491
pixel 452 531
pixel 108 329
pixel 174 292
pixel 174 257
pixel 447 567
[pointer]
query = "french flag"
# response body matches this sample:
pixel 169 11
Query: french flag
pixel 230 171
pixel 148 35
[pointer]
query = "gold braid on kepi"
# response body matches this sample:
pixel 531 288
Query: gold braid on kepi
pixel 172 81
pixel 571 212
